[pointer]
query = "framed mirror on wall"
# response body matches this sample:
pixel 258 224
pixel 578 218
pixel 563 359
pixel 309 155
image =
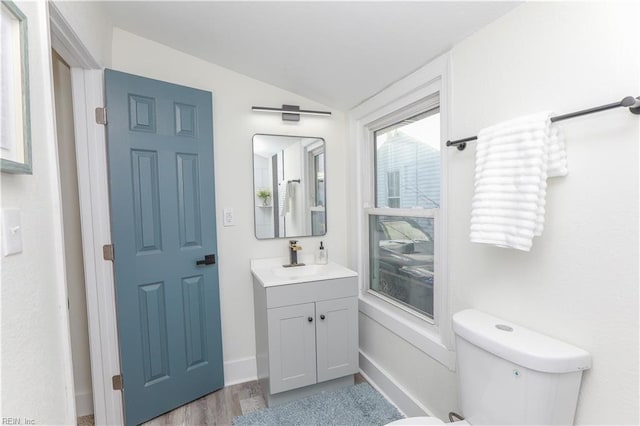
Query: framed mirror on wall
pixel 15 125
pixel 289 186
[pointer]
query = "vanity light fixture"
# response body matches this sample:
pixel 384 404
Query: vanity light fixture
pixel 290 112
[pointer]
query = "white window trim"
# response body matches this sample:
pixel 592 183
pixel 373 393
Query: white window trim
pixel 409 95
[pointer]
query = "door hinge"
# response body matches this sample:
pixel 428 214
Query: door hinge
pixel 117 382
pixel 107 252
pixel 101 115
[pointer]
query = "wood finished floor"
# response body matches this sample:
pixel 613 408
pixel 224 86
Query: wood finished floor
pixel 217 408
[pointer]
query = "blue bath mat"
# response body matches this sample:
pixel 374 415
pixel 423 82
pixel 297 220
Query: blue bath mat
pixel 356 405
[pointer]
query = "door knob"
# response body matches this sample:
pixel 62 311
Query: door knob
pixel 310 319
pixel 209 259
pixel 322 316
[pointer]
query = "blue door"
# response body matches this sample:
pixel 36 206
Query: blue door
pixel 161 187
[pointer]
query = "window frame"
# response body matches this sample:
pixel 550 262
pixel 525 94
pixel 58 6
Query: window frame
pixel 408 97
pixel 428 103
pixel 312 157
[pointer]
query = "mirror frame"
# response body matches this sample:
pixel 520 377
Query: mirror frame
pixel 304 175
pixel 20 148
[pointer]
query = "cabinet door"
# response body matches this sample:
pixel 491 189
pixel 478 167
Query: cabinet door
pixel 337 338
pixel 292 347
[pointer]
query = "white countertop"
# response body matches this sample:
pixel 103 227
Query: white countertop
pixel 270 272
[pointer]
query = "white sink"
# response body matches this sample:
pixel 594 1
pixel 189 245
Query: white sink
pixel 270 272
pixel 300 271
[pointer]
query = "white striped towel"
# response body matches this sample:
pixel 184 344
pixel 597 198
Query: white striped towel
pixel 286 196
pixel 283 198
pixel 513 160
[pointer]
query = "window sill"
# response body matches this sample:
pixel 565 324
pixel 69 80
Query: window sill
pixel 416 331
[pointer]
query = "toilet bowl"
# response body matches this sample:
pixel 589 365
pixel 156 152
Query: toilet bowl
pixel 507 373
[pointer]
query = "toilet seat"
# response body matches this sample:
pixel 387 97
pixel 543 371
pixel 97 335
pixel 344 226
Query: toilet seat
pixel 417 421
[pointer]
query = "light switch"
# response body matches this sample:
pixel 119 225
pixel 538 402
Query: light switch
pixel 228 218
pixel 11 232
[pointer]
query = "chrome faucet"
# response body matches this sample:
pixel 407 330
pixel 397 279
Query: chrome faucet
pixel 294 248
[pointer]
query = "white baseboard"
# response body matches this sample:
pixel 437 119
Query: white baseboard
pixel 240 370
pixel 390 389
pixel 84 404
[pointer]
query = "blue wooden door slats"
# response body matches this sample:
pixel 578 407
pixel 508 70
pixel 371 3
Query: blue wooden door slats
pixel 161 187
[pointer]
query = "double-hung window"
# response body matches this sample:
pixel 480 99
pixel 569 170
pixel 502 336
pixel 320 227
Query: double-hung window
pixel 401 171
pixel 403 223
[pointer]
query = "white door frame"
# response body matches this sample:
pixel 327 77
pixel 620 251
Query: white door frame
pixel 90 139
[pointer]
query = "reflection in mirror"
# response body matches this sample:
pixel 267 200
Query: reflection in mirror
pixel 289 189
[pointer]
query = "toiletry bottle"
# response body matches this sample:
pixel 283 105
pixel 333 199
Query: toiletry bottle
pixel 321 255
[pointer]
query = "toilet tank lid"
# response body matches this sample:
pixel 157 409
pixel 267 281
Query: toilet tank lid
pixel 519 345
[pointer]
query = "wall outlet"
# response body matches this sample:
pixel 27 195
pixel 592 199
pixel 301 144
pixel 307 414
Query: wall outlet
pixel 228 218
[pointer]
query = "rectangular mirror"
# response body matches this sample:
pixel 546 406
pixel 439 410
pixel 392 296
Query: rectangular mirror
pixel 289 186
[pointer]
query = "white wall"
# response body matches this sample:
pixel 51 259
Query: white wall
pixel 91 22
pixel 580 281
pixel 234 126
pixel 37 377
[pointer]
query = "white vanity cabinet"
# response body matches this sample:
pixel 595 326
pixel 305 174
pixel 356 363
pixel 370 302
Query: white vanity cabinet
pixel 312 342
pixel 306 336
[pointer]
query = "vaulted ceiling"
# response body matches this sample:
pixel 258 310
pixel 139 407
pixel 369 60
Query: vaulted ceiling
pixel 337 53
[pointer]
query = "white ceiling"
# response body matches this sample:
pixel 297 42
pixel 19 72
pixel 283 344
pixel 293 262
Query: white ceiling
pixel 336 53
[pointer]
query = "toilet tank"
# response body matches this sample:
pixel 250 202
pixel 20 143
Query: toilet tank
pixel 508 374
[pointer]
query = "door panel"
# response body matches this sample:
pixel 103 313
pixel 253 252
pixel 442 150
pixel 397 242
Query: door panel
pixel 194 321
pixel 188 200
pixel 153 324
pixel 292 352
pixel 161 187
pixel 337 338
pixel 146 201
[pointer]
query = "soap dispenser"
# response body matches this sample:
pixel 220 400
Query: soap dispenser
pixel 321 255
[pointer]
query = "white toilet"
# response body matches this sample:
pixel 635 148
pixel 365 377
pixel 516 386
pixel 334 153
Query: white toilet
pixel 509 375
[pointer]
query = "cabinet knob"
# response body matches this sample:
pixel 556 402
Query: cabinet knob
pixel 310 319
pixel 322 316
